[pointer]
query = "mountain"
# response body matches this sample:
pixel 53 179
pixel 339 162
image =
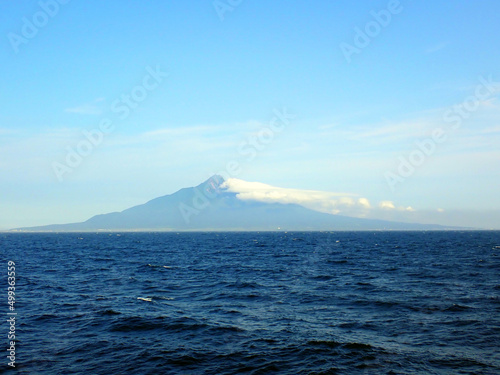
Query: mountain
pixel 209 207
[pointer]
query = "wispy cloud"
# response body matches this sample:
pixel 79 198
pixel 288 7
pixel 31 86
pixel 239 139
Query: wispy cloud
pixel 8 131
pixel 437 47
pixel 327 127
pixel 491 130
pixel 392 132
pixel 183 131
pixel 93 108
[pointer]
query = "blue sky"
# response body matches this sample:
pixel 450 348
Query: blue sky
pixel 222 72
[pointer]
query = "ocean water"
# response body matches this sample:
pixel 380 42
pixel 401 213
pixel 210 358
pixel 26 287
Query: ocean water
pixel 254 303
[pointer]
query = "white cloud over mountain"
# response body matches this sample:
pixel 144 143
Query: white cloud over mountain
pixel 330 202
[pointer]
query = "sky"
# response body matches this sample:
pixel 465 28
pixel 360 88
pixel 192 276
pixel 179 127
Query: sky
pixel 392 104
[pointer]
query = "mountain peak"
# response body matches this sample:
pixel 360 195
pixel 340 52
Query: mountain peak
pixel 216 178
pixel 212 185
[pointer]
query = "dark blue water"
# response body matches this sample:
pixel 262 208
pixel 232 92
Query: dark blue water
pixel 255 303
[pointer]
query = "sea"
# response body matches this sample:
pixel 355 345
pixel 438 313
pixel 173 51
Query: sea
pixel 251 303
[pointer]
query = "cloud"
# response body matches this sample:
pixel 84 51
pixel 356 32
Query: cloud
pixel 187 131
pixel 347 204
pixel 93 108
pixel 327 127
pixel 7 131
pixel 387 205
pixel 323 201
pixel 364 202
pixel 437 47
